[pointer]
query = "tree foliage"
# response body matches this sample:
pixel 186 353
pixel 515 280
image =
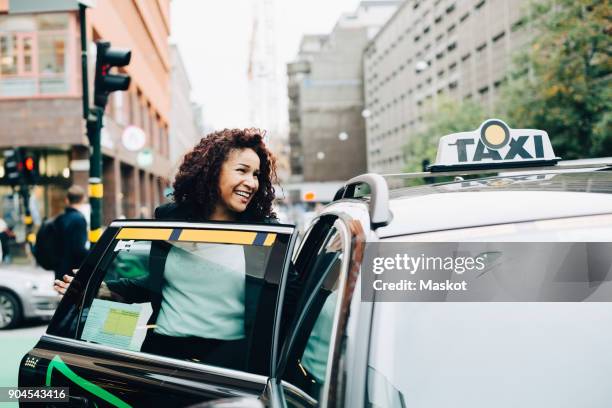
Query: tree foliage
pixel 561 83
pixel 450 117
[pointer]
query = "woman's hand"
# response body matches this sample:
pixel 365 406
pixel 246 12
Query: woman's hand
pixel 61 286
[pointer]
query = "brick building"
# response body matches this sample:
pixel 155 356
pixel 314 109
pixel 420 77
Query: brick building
pixel 41 101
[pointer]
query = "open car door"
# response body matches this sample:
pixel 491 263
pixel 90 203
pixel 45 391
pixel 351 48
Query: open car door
pixel 167 314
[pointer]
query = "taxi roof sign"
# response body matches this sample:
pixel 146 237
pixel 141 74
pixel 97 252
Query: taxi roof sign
pixel 494 145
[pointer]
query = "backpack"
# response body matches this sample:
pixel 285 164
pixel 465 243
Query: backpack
pixel 48 248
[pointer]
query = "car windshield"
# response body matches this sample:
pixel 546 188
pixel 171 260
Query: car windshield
pixel 535 353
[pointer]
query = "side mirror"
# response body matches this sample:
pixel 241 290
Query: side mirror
pixel 242 402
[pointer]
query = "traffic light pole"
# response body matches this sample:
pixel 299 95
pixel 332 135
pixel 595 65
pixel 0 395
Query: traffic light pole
pixel 96 190
pixel 24 189
pixel 105 82
pixel 84 76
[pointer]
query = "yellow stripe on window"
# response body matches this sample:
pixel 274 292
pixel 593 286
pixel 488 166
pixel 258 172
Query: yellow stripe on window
pixel 226 237
pixel 145 233
pixel 270 239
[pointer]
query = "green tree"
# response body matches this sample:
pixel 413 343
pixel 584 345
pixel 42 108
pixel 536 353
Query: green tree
pixel 450 116
pixel 562 82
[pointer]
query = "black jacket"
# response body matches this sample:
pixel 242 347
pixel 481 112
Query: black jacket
pixel 72 227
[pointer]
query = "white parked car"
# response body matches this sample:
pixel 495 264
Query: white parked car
pixel 25 293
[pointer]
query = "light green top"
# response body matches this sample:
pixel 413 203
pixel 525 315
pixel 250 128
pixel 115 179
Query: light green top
pixel 203 293
pixel 315 354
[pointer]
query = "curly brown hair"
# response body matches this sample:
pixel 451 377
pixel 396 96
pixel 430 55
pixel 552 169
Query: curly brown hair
pixel 197 183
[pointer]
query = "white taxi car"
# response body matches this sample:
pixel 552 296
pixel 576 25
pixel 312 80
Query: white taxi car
pixel 532 330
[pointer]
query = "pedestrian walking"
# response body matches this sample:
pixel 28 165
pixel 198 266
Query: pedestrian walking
pixel 72 232
pixel 5 236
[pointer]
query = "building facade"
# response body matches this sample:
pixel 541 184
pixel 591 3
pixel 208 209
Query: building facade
pixel 326 92
pixel 185 116
pixel 41 101
pixel 458 49
pixel 266 82
pixel 297 72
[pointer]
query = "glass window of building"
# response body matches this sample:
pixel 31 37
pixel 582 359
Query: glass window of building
pixel 33 54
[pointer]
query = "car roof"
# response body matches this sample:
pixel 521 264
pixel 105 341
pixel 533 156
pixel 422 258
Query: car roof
pixel 494 200
pixel 587 181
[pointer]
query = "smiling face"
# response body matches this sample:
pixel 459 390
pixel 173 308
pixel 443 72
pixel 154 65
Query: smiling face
pixel 238 183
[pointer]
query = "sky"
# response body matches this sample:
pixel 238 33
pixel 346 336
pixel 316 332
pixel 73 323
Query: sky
pixel 213 38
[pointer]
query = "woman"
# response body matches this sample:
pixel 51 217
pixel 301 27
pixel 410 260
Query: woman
pixel 242 170
pixel 228 176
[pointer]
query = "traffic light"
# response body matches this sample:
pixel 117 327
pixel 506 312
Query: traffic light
pixel 12 159
pixel 105 82
pixel 20 166
pixel 29 167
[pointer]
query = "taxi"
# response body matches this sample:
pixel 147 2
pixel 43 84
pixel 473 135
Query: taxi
pixel 530 330
pixel 355 315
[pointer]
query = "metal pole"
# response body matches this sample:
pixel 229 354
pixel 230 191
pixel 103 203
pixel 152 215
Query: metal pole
pixel 84 68
pixel 27 219
pixel 96 190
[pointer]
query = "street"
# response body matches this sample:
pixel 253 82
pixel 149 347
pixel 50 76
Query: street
pixel 13 345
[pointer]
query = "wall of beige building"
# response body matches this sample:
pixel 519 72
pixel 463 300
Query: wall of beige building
pixel 326 95
pixel 297 71
pixel 185 125
pixel 458 49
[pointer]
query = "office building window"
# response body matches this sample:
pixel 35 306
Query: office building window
pixel 499 36
pixel 518 24
pixel 34 52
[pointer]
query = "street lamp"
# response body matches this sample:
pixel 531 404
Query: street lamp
pixel 320 155
pixel 366 113
pixel 343 136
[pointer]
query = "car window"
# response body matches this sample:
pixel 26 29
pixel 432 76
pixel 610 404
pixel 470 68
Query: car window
pixel 547 351
pixel 319 262
pixel 199 295
pixel 502 355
